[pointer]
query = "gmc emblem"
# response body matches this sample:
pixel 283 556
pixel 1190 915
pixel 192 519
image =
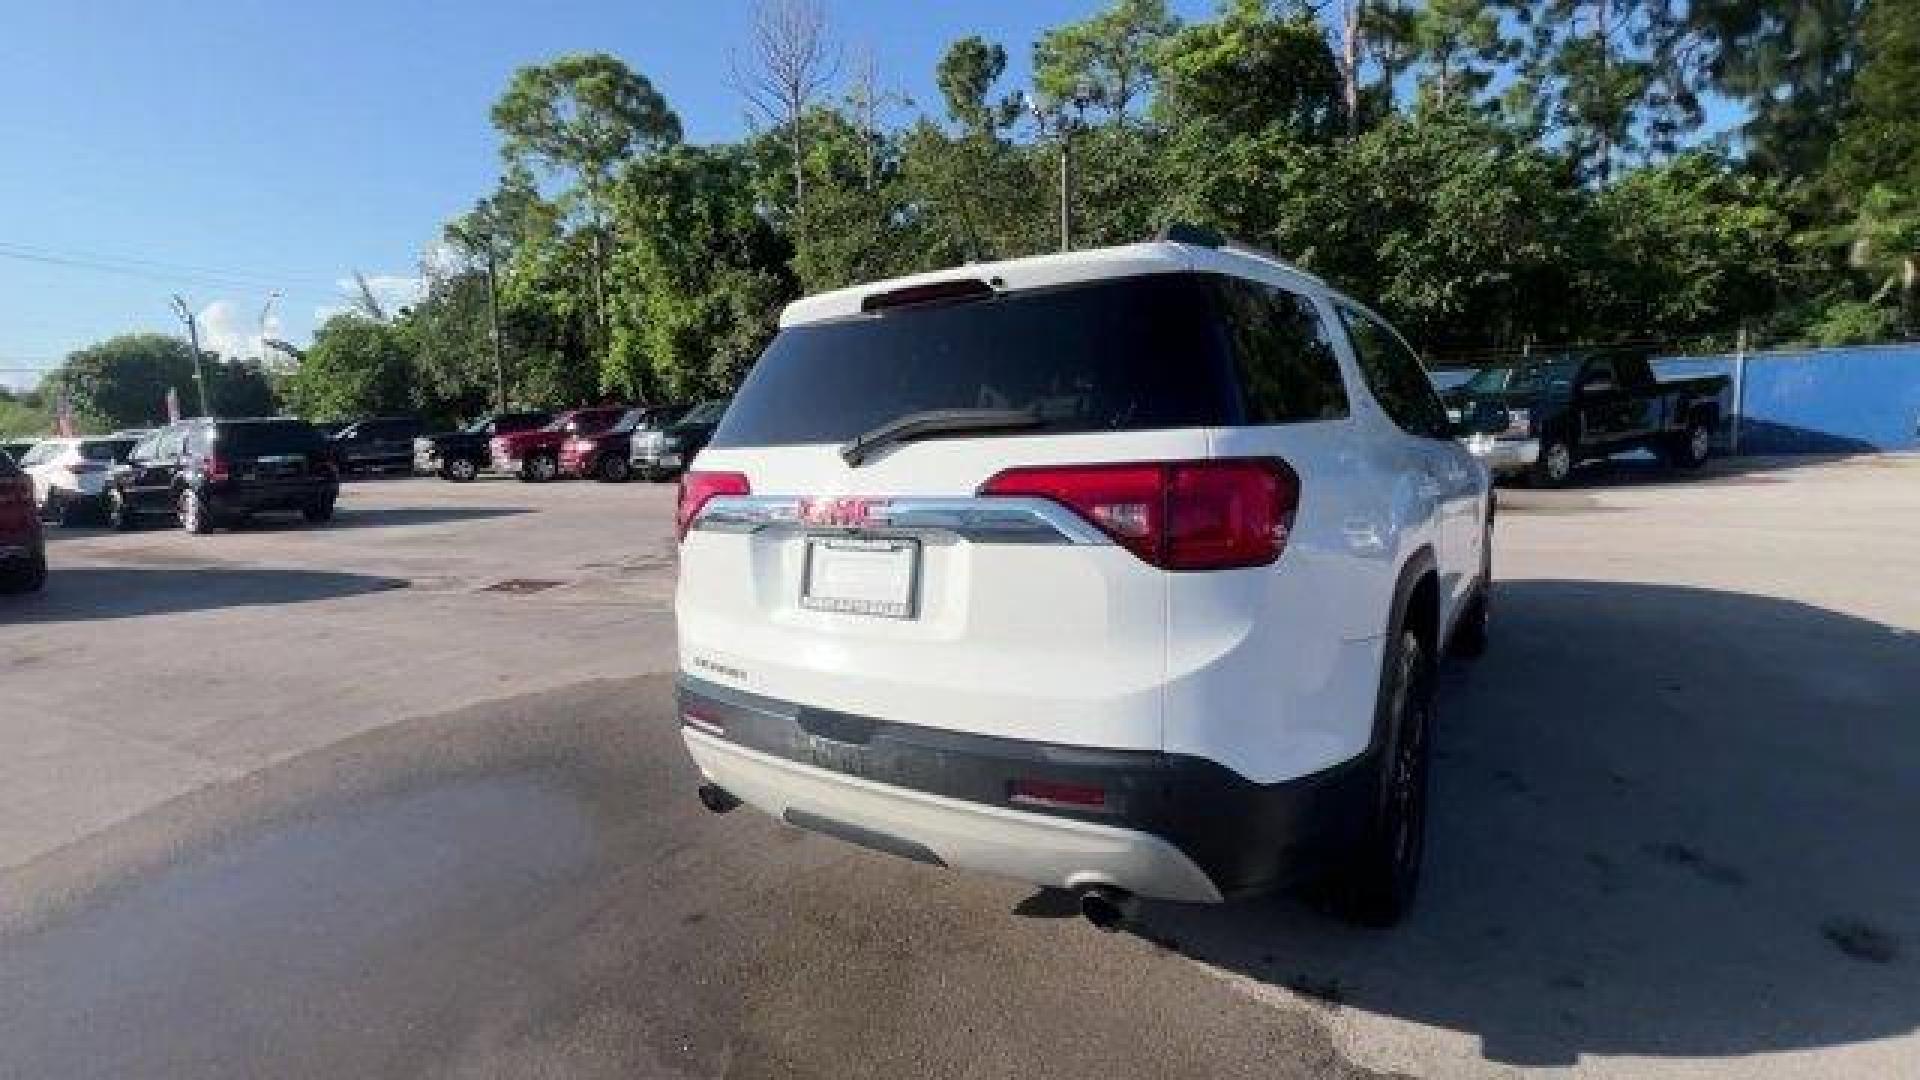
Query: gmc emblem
pixel 842 513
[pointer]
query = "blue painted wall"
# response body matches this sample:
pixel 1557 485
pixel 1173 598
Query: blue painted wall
pixel 1820 400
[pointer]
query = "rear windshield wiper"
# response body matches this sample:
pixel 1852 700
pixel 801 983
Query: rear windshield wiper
pixel 919 425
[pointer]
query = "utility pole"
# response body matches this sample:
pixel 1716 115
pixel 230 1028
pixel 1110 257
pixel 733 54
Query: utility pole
pixel 1064 125
pixel 493 323
pixel 1066 189
pixel 266 312
pixel 193 338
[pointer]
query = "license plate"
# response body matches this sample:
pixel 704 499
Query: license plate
pixel 861 577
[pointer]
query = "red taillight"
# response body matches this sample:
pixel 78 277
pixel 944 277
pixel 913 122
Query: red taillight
pixel 697 488
pixel 1037 792
pixel 216 468
pixel 1180 515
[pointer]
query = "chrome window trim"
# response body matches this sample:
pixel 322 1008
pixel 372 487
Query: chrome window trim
pixel 980 521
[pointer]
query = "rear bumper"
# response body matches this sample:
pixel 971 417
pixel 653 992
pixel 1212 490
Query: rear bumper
pixel 1171 826
pixel 288 495
pixel 656 460
pixel 1505 456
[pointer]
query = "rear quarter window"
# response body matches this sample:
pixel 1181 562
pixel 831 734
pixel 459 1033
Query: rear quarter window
pixel 1112 355
pixel 275 437
pixel 1283 354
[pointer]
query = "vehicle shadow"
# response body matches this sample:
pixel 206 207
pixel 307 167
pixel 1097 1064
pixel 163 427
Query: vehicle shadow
pixel 1634 470
pixel 348 517
pixel 91 593
pixel 1666 821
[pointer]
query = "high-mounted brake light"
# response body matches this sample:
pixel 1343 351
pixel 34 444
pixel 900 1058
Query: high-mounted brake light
pixel 1177 515
pixel 699 488
pixel 933 292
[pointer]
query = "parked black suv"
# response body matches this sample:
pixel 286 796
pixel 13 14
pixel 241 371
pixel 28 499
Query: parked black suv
pixel 462 455
pixel 664 453
pixel 383 442
pixel 211 473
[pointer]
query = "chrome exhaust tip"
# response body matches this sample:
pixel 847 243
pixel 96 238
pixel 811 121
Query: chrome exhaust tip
pixel 1107 907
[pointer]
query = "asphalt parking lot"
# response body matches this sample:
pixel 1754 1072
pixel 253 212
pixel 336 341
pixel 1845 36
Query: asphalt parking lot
pixel 402 795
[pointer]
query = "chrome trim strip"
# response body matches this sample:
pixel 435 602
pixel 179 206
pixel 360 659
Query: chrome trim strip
pixel 981 521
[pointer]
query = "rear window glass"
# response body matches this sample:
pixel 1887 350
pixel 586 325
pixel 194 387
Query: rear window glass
pixel 274 437
pixel 1125 354
pixel 7 467
pixel 707 412
pixel 106 450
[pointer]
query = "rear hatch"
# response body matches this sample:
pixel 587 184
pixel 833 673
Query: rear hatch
pixel 884 583
pixel 274 453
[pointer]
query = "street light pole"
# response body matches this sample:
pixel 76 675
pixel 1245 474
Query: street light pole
pixel 1063 124
pixel 266 311
pixel 193 338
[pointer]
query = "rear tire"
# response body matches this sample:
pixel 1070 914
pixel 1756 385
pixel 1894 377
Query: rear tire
pixel 1691 449
pixel 318 511
pixel 120 516
pixel 1379 884
pixel 194 516
pixel 540 469
pixel 613 469
pixel 72 512
pixel 460 470
pixel 1555 466
pixel 26 578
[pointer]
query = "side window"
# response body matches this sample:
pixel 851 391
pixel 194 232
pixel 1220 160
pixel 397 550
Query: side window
pixel 1397 378
pixel 1287 370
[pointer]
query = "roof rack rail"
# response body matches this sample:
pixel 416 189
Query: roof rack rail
pixel 1179 232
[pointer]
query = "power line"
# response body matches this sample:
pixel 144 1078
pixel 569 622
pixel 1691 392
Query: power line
pixel 94 258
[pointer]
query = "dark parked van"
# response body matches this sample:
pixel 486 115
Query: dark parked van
pixel 211 473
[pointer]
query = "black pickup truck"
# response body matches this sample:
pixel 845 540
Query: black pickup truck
pixel 461 455
pixel 1566 409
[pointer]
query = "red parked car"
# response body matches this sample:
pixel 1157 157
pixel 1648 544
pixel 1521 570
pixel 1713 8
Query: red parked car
pixel 534 456
pixel 23 550
pixel 607 456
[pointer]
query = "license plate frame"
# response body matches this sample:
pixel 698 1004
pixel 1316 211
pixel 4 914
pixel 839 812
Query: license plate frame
pixel 896 598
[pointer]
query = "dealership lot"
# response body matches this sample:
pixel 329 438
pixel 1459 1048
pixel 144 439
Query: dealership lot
pixel 403 794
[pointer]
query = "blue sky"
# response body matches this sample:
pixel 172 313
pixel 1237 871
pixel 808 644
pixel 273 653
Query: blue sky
pixel 233 148
pixel 228 148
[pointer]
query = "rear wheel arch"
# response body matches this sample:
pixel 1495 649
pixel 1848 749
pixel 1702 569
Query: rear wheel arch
pixel 1416 606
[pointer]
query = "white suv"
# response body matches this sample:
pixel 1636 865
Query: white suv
pixel 70 475
pixel 1119 571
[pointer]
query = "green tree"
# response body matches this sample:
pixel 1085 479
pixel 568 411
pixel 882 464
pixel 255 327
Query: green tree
pixel 1791 63
pixel 123 382
pixel 1693 247
pixel 1878 140
pixel 1459 44
pixel 974 194
pixel 1250 71
pixel 1608 77
pixel 703 276
pixel 1107 61
pixel 357 367
pixel 579 118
